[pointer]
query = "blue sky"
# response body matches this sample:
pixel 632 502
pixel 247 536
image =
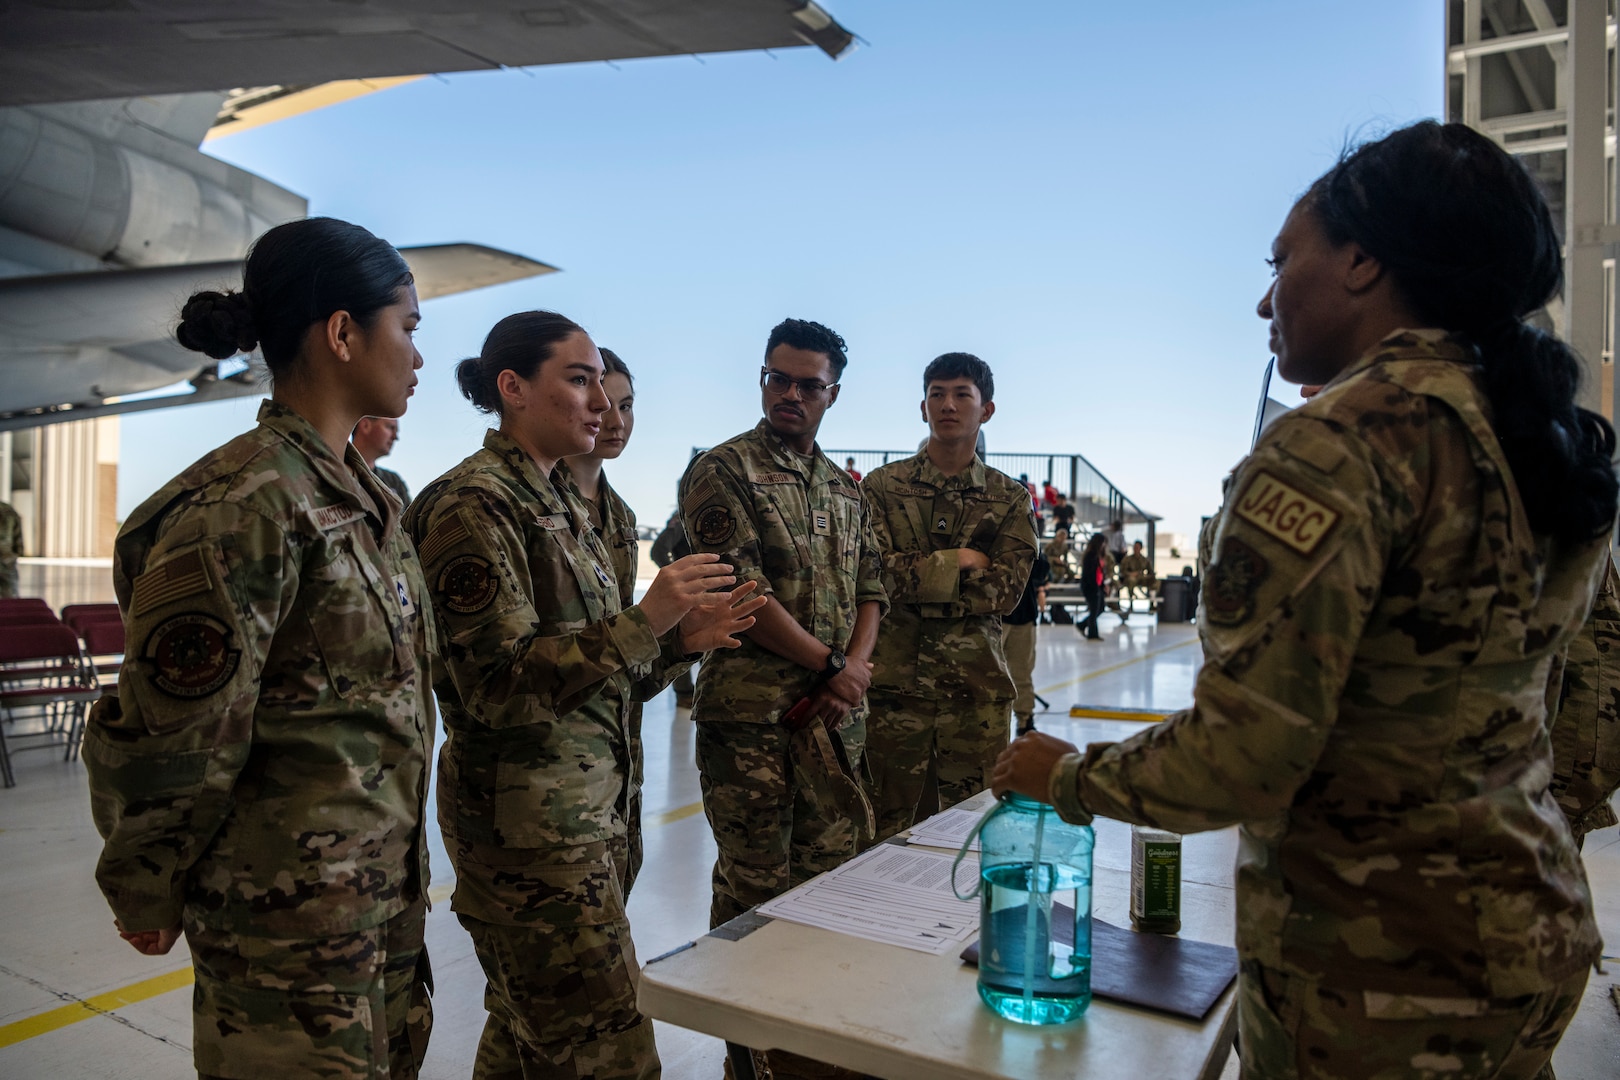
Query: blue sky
pixel 1081 193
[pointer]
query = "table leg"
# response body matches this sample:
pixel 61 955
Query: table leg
pixel 742 1062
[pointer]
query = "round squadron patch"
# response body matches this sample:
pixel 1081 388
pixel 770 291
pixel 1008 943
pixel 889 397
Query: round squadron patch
pixel 715 525
pixel 1234 579
pixel 190 655
pixel 468 584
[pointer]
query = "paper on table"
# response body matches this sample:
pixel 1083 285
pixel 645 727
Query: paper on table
pixel 947 829
pixel 892 894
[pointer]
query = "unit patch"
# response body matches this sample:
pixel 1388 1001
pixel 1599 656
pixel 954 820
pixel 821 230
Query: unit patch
pixel 191 655
pixel 1234 579
pixel 1285 514
pixel 714 525
pixel 468 584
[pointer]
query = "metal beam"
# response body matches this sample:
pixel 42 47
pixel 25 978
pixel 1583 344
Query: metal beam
pixel 1586 197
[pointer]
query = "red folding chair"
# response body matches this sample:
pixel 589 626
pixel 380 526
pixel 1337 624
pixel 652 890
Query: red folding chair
pixel 44 673
pixel 77 615
pixel 104 647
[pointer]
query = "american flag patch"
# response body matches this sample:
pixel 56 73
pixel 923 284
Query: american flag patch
pixel 180 577
pixel 449 533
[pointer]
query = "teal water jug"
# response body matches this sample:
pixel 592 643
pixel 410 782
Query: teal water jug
pixel 1034 912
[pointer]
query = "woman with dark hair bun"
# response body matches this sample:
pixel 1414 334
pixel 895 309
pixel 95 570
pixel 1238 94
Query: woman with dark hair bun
pixel 1401 561
pixel 545 659
pixel 260 776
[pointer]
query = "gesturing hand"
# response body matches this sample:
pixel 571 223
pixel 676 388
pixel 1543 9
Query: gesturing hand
pixel 681 586
pixel 719 618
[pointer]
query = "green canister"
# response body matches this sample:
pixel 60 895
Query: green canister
pixel 1155 880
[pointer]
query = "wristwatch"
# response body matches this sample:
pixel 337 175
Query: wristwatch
pixel 835 665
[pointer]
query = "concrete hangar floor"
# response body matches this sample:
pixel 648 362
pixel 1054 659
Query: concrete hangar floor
pixel 76 1002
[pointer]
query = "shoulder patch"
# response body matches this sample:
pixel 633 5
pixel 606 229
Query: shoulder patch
pixel 714 525
pixel 1317 453
pixel 468 585
pixel 190 655
pixel 182 576
pixel 330 517
pixel 773 478
pixel 1234 579
pixel 1284 513
pixel 702 492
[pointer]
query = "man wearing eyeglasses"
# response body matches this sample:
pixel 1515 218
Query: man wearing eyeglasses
pixel 785 516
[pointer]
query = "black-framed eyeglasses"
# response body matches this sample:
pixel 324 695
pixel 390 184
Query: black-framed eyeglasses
pixel 778 383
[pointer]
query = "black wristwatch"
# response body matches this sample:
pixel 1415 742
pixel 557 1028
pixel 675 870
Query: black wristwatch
pixel 835 665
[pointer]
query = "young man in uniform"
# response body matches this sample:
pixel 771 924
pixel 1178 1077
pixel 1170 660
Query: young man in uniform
pixel 374 437
pixel 1135 574
pixel 958 541
pixel 776 508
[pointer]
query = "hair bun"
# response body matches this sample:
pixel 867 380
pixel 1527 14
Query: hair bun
pixel 219 324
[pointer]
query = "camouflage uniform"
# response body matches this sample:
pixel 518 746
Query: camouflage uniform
pixel 1380 625
pixel 11 546
pixel 396 484
pixel 941 693
pixel 262 772
pixel 1584 701
pixel 1135 572
pixel 534 775
pixel 797 526
pixel 615 524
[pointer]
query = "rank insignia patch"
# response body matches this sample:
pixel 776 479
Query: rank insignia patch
pixel 468 584
pixel 191 655
pixel 714 525
pixel 1234 579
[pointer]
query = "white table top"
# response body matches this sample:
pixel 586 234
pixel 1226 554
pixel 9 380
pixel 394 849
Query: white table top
pixel 906 1015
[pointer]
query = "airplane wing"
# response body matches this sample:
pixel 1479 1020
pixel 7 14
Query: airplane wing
pixel 75 52
pixel 71 341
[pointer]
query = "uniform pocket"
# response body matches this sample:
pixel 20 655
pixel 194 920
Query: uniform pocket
pixel 248 1033
pixel 351 627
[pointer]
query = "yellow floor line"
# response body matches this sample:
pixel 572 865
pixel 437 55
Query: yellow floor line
pixel 680 813
pixel 1092 712
pixel 1043 691
pixel 18 1030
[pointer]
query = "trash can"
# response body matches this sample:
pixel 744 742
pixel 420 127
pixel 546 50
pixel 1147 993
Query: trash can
pixel 1173 597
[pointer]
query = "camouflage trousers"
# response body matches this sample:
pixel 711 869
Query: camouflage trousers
pixel 770 836
pixel 905 734
pixel 354 1007
pixel 634 851
pixel 1290 1028
pixel 560 970
pixel 1019 645
pixel 9 580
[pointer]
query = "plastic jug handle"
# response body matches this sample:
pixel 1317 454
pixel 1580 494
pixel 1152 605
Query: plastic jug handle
pixel 967 843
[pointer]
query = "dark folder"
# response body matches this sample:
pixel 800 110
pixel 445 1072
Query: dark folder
pixel 1156 971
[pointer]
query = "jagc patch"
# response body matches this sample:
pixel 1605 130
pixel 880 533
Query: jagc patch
pixel 714 525
pixel 1284 513
pixel 191 655
pixel 1234 579
pixel 468 584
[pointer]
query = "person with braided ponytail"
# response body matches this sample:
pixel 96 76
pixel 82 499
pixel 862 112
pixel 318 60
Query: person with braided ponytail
pixel 1401 562
pixel 260 776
